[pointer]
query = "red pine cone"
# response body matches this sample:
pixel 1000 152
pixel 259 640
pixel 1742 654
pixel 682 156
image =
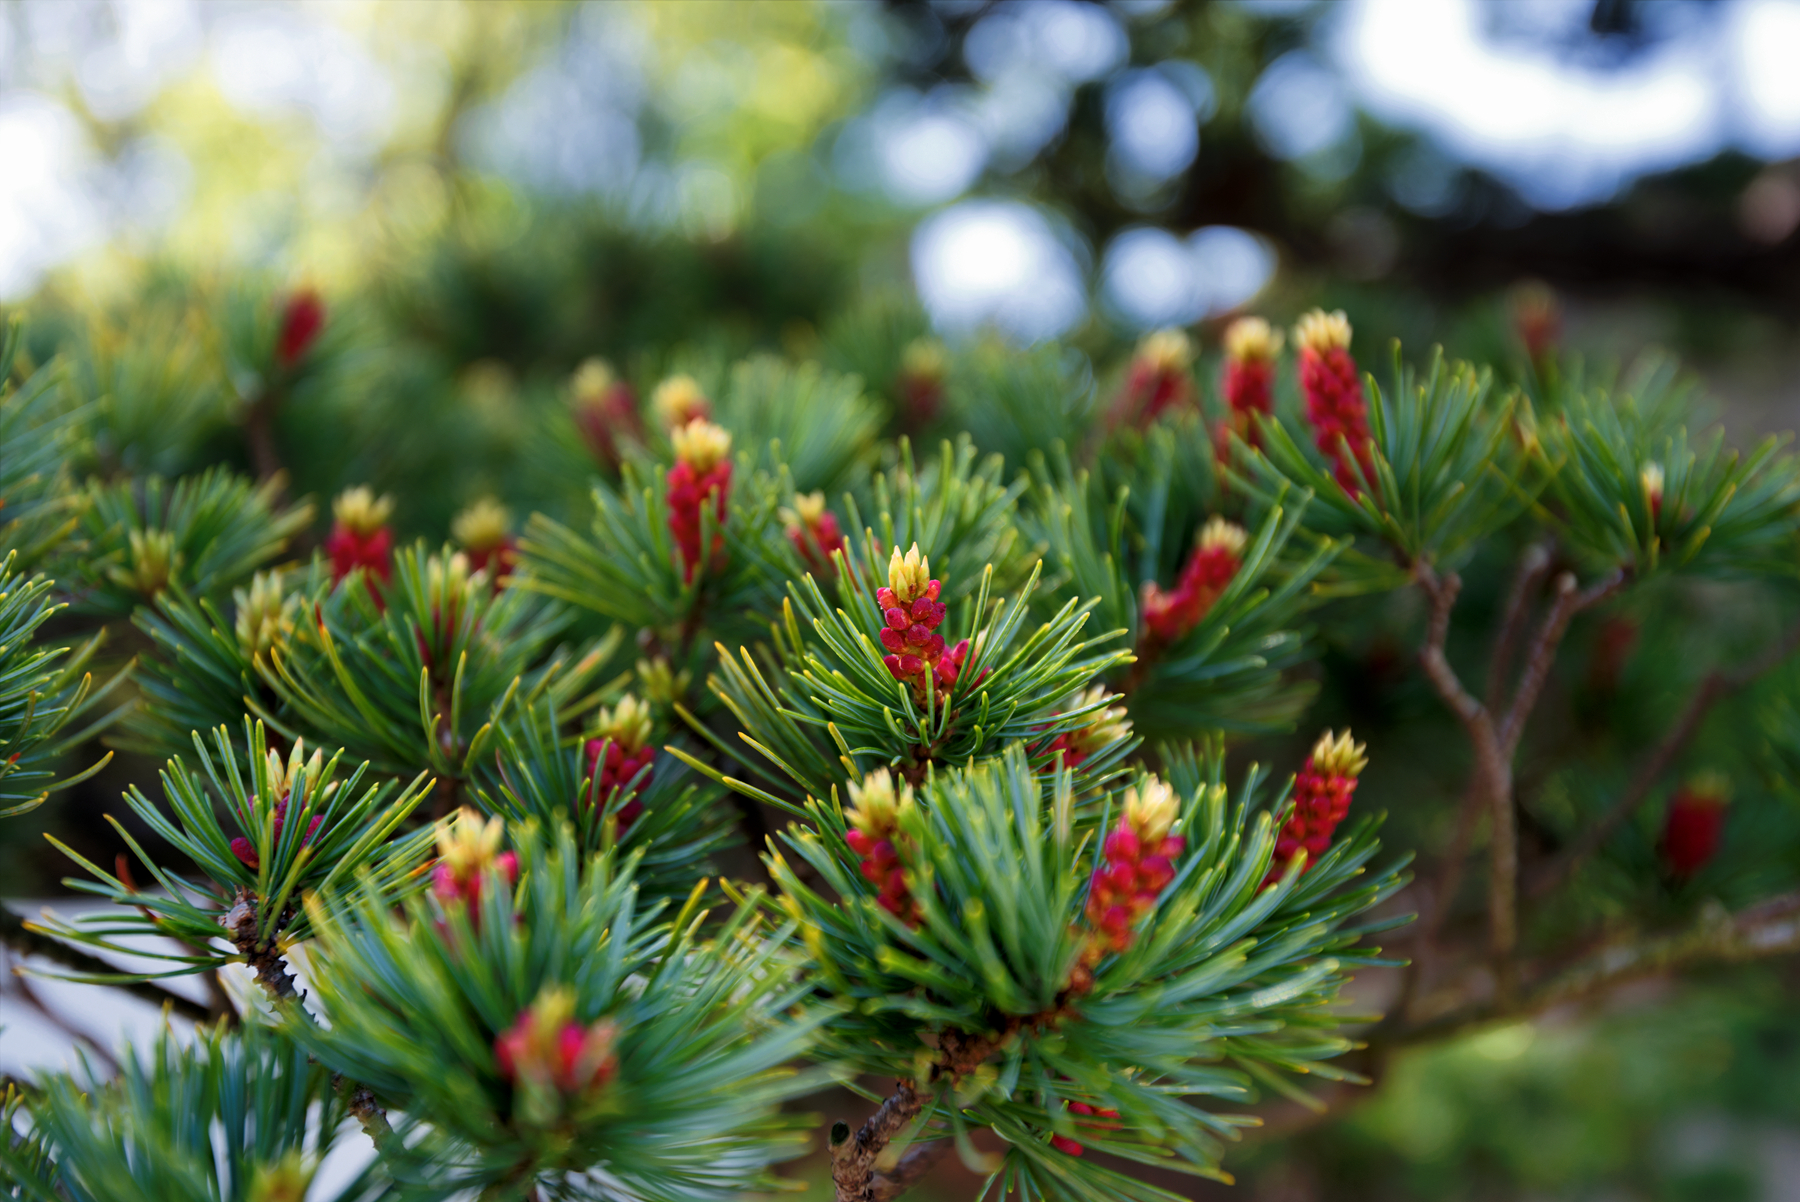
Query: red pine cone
pixel 545 1046
pixel 605 411
pixel 302 319
pixel 245 850
pixel 1158 380
pixel 1210 567
pixel 1063 1143
pixel 873 833
pixel 1537 320
pixel 1248 379
pixel 623 735
pixel 1137 863
pixel 1336 407
pixel 350 550
pixel 1322 793
pixel 620 768
pixel 921 381
pixel 912 613
pixel 702 474
pixel 814 531
pixel 1694 825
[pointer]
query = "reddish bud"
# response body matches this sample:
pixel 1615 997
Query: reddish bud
pixel 302 319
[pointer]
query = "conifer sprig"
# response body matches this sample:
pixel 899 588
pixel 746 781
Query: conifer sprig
pixel 287 828
pixel 1224 982
pixel 671 1088
pixel 45 691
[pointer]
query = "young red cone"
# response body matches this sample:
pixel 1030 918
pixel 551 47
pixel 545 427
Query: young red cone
pixel 814 531
pixel 302 320
pixel 1104 727
pixel 911 614
pixel 547 1049
pixel 605 411
pixel 1694 824
pixel 622 736
pixel 1336 407
pixel 481 529
pixel 1248 378
pixel 1322 793
pixel 1063 1143
pixel 468 848
pixel 1650 476
pixel 1159 379
pixel 1137 863
pixel 359 536
pixel 701 478
pixel 678 402
pixel 1537 320
pixel 1215 560
pixel 282 778
pixel 876 808
pixel 923 371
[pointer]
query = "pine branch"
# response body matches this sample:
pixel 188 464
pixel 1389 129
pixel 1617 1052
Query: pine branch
pixel 1570 600
pixel 22 939
pixel 360 1101
pixel 263 956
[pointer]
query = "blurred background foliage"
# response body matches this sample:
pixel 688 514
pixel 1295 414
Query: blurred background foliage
pixel 485 195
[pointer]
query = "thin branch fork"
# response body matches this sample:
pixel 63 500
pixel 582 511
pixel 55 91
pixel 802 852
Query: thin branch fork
pixel 1495 734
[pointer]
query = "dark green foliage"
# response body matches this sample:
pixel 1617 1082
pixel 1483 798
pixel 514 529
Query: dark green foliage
pixel 413 672
pixel 538 776
pixel 39 436
pixel 206 532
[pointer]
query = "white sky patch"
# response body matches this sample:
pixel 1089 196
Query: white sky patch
pixel 997 262
pixel 1149 278
pixel 1563 133
pixel 48 208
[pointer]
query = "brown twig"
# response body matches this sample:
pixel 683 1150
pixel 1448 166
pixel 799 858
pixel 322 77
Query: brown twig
pixel 1496 742
pixel 1491 780
pixel 23 985
pixel 265 959
pixel 912 1167
pixel 1769 928
pixel 360 1100
pixel 259 433
pixel 1533 566
pixel 1569 601
pixel 1713 689
pixel 853 1156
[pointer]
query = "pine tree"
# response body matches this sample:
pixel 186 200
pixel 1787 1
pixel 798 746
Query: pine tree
pixel 878 723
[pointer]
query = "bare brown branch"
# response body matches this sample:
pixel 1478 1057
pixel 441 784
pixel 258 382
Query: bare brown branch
pixel 853 1156
pixel 1569 602
pixel 1770 928
pixel 1533 566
